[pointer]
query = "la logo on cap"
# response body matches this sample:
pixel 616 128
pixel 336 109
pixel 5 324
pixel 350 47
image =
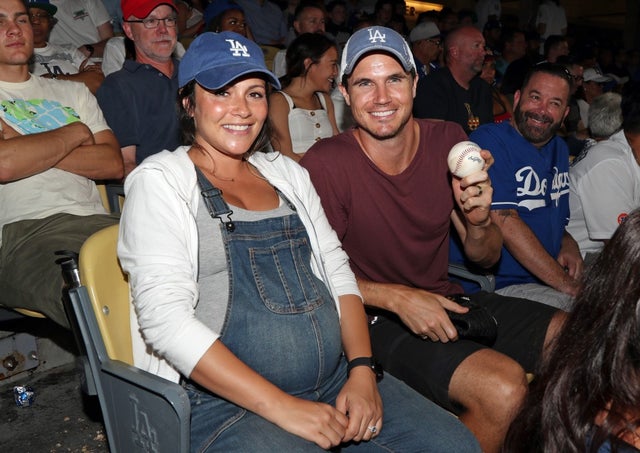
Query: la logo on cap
pixel 237 49
pixel 376 36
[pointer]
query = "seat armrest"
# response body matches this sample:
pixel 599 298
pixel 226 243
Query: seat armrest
pixel 487 282
pixel 141 411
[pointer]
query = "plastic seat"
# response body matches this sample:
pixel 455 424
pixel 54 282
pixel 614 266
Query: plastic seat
pixel 112 196
pixel 142 412
pixel 486 282
pixel 269 55
pixel 30 313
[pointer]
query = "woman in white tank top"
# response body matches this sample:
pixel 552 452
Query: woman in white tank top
pixel 302 113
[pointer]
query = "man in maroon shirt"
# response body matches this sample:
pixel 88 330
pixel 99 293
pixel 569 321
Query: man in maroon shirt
pixel 388 194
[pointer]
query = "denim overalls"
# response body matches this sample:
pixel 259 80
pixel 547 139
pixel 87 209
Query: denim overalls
pixel 282 322
pixel 281 319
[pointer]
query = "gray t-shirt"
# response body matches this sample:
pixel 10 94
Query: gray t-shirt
pixel 213 277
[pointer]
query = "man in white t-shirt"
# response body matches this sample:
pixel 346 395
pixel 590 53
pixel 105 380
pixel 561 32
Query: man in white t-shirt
pixel 54 143
pixel 604 180
pixel 85 24
pixel 56 61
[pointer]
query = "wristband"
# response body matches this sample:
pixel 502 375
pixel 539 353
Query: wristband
pixel 369 362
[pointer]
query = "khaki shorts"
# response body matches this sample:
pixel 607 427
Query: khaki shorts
pixel 29 275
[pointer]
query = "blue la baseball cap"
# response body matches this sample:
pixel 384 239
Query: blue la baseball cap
pixel 44 5
pixel 372 39
pixel 217 59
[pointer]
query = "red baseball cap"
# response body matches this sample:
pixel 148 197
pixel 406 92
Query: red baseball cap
pixel 142 8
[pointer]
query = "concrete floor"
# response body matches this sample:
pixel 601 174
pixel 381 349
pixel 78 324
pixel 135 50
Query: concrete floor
pixel 61 418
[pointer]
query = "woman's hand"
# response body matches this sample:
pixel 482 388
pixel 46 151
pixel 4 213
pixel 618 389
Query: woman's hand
pixel 360 401
pixel 319 423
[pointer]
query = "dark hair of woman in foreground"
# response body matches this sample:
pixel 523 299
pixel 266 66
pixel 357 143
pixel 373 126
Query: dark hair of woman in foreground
pixel 588 392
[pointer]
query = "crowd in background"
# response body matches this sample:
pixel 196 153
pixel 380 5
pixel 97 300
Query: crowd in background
pixel 477 68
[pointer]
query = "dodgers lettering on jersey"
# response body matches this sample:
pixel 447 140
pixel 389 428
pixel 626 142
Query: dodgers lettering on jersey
pixel 559 185
pixel 535 182
pixel 533 189
pixel 30 116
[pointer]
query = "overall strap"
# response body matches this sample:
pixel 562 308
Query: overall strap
pixel 216 205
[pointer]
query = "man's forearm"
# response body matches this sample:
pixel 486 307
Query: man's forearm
pixel 378 295
pixel 525 247
pixel 483 244
pixel 22 156
pixel 92 79
pixel 101 160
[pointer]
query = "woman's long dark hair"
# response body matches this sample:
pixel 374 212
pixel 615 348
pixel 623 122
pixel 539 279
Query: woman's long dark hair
pixel 594 363
pixel 307 45
pixel 188 125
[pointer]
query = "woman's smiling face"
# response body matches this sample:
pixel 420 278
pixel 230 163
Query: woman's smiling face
pixel 323 74
pixel 230 119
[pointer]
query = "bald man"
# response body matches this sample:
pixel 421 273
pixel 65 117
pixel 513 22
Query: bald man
pixel 454 93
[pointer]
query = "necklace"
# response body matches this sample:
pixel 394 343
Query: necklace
pixel 197 145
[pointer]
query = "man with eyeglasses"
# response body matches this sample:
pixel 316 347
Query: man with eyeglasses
pixel 138 101
pixel 426 45
pixel 55 61
pixel 454 93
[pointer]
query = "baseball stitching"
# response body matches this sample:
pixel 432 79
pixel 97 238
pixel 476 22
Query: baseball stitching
pixel 462 156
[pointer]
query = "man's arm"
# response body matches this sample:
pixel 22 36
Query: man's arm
pixel 105 31
pixel 100 160
pixel 421 311
pixel 91 77
pixel 71 147
pixel 481 243
pixel 481 239
pixel 570 257
pixel 129 157
pixel 525 247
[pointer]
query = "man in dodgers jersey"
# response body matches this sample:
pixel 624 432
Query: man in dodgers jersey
pixel 540 260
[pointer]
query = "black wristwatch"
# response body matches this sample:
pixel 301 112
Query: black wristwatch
pixel 368 362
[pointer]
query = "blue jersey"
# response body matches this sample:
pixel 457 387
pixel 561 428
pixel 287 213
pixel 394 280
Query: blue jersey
pixel 534 182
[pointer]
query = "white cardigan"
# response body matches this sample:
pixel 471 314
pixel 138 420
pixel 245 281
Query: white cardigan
pixel 158 248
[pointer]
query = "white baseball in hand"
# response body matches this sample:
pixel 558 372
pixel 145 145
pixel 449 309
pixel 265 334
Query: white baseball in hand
pixel 464 159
